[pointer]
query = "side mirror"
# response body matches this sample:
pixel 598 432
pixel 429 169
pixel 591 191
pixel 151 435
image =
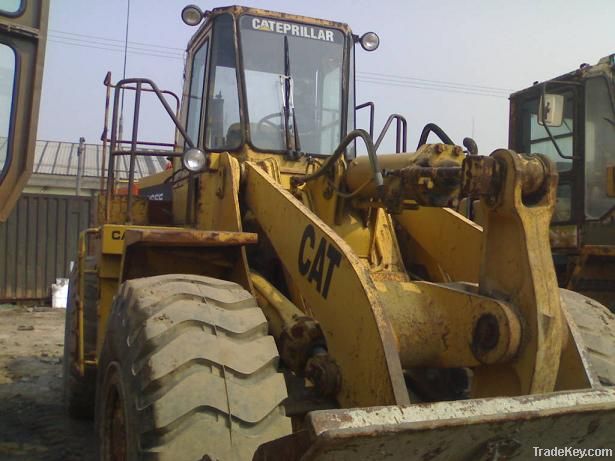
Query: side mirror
pixel 551 110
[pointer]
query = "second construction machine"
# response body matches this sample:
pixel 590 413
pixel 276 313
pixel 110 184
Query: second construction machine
pixel 576 130
pixel 275 296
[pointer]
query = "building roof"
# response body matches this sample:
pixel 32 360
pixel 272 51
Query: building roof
pixel 60 158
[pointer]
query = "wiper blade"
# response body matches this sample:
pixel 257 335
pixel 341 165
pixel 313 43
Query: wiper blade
pixel 293 148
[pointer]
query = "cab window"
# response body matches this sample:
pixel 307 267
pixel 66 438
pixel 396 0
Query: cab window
pixel 223 122
pixel 7 84
pixel 599 147
pixel 195 98
pixel 314 65
pixel 10 6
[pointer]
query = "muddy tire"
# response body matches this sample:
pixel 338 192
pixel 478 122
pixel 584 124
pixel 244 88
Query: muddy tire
pixel 187 370
pixel 596 324
pixel 79 390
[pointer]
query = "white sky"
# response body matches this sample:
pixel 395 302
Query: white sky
pixel 500 44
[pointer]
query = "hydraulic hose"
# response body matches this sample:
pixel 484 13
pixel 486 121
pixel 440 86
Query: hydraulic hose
pixel 432 127
pixel 339 151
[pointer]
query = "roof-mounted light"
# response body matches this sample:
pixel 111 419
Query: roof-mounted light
pixel 369 41
pixel 192 15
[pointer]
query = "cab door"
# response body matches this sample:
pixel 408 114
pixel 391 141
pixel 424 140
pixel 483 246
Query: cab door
pixel 23 32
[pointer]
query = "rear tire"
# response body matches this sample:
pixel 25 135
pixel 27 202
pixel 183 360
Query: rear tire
pixel 79 390
pixel 596 325
pixel 187 370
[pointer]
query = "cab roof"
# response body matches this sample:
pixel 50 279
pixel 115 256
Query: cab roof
pixel 237 11
pixel 604 66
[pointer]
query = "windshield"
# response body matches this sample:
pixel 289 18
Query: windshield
pixel 314 65
pixel 599 146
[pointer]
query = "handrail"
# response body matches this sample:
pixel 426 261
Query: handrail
pixel 138 85
pixel 401 138
pixel 372 110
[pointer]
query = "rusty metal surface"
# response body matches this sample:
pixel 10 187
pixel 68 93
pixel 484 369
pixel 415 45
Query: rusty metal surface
pixel 480 176
pixel 297 341
pixel 517 266
pixel 484 176
pixel 599 250
pixel 485 429
pixel 37 243
pixel 324 372
pixel 447 327
pixel 188 237
pixel 430 176
pixel 593 273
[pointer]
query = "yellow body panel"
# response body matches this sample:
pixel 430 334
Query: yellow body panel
pixel 450 243
pixel 332 279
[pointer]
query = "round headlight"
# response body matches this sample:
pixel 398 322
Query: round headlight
pixel 192 15
pixel 194 160
pixel 370 41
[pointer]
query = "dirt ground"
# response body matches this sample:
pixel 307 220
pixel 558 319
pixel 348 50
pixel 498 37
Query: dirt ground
pixel 33 424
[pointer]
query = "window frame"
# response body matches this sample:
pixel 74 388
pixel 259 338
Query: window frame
pixel 27 36
pixel 4 169
pixel 238 80
pixel 204 40
pixel 611 92
pixel 243 90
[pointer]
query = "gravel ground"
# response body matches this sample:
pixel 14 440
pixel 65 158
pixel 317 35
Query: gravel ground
pixel 33 423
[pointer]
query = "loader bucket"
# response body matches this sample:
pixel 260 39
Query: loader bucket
pixel 569 425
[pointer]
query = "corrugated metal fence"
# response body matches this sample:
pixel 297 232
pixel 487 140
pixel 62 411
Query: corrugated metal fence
pixel 37 243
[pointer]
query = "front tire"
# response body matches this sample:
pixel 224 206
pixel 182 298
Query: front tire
pixel 187 370
pixel 79 390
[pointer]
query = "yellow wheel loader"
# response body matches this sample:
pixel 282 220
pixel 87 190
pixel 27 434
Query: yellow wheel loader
pixel 274 296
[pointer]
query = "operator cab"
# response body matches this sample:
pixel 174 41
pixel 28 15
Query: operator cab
pixel 256 83
pixel 268 81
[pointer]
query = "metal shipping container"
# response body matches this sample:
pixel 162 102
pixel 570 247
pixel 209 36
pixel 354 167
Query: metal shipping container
pixel 37 243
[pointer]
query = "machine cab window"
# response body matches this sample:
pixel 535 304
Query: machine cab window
pixel 197 87
pixel 599 147
pixel 7 78
pixel 223 120
pixel 293 78
pixel 11 7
